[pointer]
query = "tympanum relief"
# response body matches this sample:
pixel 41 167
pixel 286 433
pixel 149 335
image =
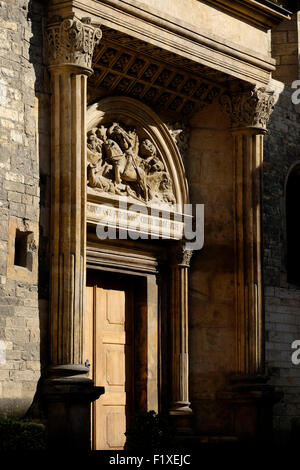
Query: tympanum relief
pixel 123 163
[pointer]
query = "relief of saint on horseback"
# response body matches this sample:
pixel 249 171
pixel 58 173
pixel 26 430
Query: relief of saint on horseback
pixel 119 164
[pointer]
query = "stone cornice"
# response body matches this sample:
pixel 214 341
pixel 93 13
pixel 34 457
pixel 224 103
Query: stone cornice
pixel 249 109
pixel 260 13
pixel 71 42
pixel 180 38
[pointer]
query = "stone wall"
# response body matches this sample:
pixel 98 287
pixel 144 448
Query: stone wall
pixel 23 312
pixel 282 300
pixel 211 289
pixel 285 49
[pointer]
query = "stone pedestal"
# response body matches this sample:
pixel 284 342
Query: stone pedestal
pixel 251 400
pixel 69 393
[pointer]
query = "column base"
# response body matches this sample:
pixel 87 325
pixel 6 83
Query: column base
pixel 181 417
pixel 251 401
pixel 68 394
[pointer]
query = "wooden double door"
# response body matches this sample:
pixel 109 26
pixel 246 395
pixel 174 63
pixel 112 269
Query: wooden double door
pixel 109 347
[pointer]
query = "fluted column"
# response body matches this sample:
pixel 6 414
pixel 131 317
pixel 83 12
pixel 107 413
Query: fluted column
pixel 70 48
pixel 248 153
pixel 180 409
pixel 67 390
pixel 249 112
pixel 248 394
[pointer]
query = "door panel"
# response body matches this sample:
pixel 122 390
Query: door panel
pixel 112 331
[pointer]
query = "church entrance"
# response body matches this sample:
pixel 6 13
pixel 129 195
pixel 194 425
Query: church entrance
pixel 116 347
pixel 136 327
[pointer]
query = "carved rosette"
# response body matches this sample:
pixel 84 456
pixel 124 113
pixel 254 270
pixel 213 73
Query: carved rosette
pixel 251 108
pixel 71 41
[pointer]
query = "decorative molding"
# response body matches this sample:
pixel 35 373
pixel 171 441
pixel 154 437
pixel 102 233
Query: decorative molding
pixel 131 67
pixel 251 108
pixel 140 47
pixel 197 45
pixel 265 14
pixel 71 41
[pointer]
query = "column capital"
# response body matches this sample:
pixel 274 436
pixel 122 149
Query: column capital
pixel 249 108
pixel 71 42
pixel 182 256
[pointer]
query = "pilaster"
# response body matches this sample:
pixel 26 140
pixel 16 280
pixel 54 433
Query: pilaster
pixel 249 112
pixel 180 409
pixel 248 392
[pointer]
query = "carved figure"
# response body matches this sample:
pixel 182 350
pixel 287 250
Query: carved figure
pixel 119 164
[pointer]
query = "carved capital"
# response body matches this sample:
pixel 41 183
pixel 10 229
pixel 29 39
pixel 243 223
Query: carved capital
pixel 71 42
pixel 251 108
pixel 182 257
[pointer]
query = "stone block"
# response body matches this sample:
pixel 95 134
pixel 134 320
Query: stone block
pixel 14 186
pixel 23 375
pixel 293 37
pixel 4 374
pixel 13 196
pixel 279 37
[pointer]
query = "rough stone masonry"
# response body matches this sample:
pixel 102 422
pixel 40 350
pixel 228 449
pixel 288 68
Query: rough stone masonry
pixel 23 311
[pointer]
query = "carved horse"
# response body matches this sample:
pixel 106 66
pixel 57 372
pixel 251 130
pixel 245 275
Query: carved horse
pixel 125 167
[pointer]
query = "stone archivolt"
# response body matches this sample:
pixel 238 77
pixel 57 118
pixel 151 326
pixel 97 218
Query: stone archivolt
pixel 123 163
pixel 71 41
pixel 251 108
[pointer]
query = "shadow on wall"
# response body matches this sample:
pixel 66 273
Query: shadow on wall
pixel 282 297
pixel 37 14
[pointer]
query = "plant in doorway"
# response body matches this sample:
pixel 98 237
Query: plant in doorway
pixel 151 432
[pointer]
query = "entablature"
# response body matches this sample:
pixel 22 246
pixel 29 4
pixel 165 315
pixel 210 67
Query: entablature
pixel 226 52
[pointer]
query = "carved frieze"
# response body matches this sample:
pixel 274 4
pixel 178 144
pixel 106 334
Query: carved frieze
pixel 71 41
pixel 251 108
pixel 123 163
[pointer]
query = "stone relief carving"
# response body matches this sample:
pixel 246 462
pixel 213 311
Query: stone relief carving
pixel 71 41
pixel 124 164
pixel 250 108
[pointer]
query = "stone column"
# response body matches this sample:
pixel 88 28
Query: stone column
pixel 70 46
pixel 180 410
pixel 249 112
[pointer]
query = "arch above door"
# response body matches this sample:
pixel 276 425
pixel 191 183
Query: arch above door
pixel 146 165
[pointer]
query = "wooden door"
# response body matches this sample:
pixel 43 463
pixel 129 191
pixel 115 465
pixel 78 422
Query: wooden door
pixel 109 332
